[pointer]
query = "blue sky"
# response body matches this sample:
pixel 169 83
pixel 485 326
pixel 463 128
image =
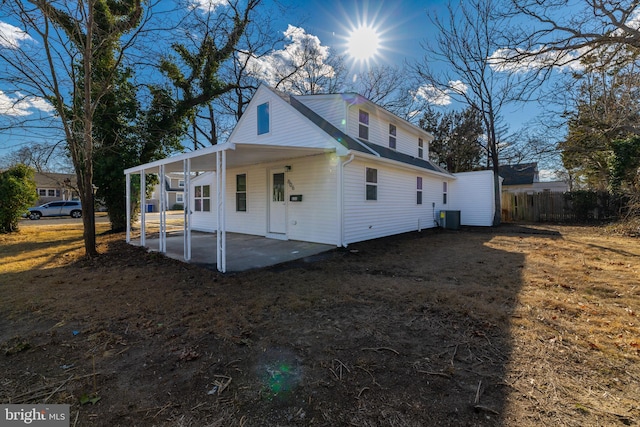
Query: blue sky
pixel 402 27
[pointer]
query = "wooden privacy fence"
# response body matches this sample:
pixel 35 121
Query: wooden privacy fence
pixel 546 206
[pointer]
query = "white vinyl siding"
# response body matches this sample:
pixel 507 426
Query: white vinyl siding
pixel 406 136
pixel 287 126
pixel 314 219
pixel 472 194
pixel 203 221
pixel 395 211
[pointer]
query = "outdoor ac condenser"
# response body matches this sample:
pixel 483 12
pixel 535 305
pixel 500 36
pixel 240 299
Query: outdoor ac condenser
pixel 450 220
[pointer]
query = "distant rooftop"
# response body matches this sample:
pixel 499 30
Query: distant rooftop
pixel 520 174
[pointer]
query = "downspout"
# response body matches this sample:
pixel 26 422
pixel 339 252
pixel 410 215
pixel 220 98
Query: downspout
pixel 341 197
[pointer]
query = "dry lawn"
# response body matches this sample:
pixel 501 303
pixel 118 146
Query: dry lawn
pixel 513 326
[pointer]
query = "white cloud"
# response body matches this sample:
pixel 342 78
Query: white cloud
pixel 20 106
pixel 10 36
pixel 303 57
pixel 208 5
pixel 433 95
pixel 458 87
pixel 437 96
pixel 502 60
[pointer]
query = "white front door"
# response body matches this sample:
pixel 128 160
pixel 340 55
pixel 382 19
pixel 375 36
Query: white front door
pixel 277 203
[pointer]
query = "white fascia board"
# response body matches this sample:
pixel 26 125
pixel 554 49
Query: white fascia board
pixel 180 157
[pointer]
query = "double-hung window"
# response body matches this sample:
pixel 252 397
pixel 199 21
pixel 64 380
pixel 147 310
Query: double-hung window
pixel 202 198
pixel 420 148
pixel 444 193
pixel 419 190
pixel 392 136
pixel 241 192
pixel 363 121
pixel 372 184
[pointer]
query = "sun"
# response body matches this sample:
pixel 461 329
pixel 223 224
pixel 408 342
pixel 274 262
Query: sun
pixel 363 43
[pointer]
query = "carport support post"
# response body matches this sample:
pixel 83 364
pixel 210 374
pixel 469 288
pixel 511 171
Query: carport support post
pixel 128 205
pixel 221 234
pixel 163 212
pixel 186 169
pixel 143 213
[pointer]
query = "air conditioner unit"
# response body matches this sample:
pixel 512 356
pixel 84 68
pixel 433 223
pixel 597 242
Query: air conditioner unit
pixel 450 220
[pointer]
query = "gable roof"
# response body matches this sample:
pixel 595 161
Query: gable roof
pixel 520 174
pixel 356 144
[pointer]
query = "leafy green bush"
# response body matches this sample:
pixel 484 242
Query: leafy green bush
pixel 17 193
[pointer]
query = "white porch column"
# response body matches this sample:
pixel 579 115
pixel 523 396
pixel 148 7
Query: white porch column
pixel 221 244
pixel 186 168
pixel 143 208
pixel 127 192
pixel 223 192
pixel 162 241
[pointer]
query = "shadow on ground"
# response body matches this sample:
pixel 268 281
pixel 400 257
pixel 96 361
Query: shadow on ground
pixel 410 330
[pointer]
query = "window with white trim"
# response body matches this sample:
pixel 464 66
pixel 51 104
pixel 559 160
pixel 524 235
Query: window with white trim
pixel 372 184
pixel 419 190
pixel 181 183
pixel 392 136
pixel 48 192
pixel 444 193
pixel 202 198
pixel 179 197
pixel 420 148
pixel 241 192
pixel 363 121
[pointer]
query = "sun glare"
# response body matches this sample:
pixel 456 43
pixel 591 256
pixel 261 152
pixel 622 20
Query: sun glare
pixel 364 43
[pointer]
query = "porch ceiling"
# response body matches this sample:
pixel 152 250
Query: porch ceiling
pixel 237 155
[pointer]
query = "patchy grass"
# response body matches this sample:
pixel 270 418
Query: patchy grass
pixel 519 325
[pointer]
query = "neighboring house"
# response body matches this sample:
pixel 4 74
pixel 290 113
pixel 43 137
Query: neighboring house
pixel 173 193
pixel 333 169
pixel 55 186
pixel 524 178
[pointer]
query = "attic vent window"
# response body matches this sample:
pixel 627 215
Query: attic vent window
pixel 363 120
pixel 263 118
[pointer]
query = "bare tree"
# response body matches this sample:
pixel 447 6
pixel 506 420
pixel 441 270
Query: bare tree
pixel 465 41
pixel 56 62
pixel 195 66
pixel 388 86
pixel 560 32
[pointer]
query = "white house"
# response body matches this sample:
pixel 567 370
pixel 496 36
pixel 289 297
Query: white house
pixel 333 169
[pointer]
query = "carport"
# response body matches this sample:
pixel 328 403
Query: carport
pixel 248 251
pixel 191 246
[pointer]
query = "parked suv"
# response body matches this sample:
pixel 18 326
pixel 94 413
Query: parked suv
pixel 72 208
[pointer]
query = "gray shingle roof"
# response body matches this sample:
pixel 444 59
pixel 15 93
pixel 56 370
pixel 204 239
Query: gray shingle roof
pixel 357 144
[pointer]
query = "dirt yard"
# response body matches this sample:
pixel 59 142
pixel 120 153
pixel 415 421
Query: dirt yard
pixel 513 326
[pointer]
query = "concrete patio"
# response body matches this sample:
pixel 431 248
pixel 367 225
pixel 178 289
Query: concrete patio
pixel 244 252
